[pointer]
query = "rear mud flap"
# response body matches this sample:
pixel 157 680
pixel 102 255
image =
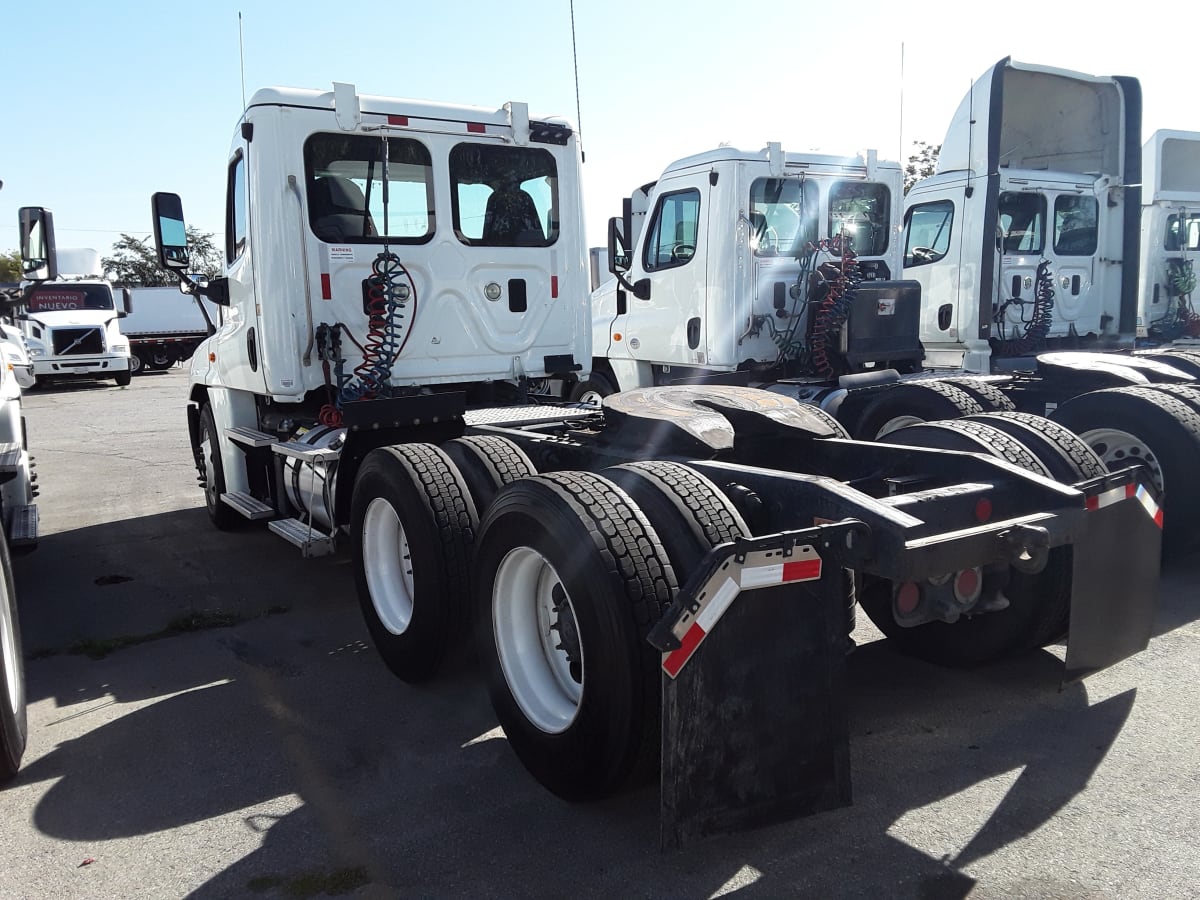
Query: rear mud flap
pixel 754 720
pixel 1115 575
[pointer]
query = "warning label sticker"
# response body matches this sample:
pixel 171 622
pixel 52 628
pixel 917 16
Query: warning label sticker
pixel 341 253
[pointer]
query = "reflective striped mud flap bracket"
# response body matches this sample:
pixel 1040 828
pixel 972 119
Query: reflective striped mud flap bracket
pixel 754 719
pixel 1114 585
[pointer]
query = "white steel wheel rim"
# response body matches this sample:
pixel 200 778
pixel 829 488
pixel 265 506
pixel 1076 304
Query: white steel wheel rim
pixel 897 423
pixel 1119 449
pixel 537 669
pixel 8 647
pixel 592 397
pixel 387 562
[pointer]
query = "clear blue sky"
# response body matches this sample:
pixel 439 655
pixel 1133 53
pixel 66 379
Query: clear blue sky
pixel 108 102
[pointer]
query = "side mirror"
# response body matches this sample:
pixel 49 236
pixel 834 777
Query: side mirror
pixel 127 300
pixel 170 232
pixel 641 289
pixel 618 251
pixel 39 261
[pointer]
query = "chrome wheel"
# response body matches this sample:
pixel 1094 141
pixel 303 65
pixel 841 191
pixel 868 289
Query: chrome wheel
pixel 387 562
pixel 537 640
pixel 1120 449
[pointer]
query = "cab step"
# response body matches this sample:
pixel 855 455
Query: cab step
pixel 250 507
pixel 249 437
pixel 23 526
pixel 10 457
pixel 311 541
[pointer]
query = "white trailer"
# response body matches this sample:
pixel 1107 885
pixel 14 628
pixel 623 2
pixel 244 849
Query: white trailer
pixel 401 275
pixel 164 326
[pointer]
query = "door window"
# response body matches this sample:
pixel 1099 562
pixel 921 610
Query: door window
pixel 235 209
pixel 927 233
pixel 673 232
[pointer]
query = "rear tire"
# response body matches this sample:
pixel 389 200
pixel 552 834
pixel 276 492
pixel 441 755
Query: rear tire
pixel 687 511
pixel 911 402
pixel 1150 428
pixel 488 463
pixel 14 725
pixel 137 365
pixel 986 394
pixel 413 524
pixel 570 578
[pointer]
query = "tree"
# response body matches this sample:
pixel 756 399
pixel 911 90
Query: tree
pixel 10 266
pixel 135 263
pixel 921 163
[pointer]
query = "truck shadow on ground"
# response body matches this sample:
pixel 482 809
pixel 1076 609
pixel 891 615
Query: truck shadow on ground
pixel 411 791
pixel 287 725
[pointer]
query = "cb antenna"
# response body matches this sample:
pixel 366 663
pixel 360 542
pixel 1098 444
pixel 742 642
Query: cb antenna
pixel 575 59
pixel 901 135
pixel 242 58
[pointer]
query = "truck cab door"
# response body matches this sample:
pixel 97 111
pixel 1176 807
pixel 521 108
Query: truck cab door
pixel 670 326
pixel 935 224
pixel 239 342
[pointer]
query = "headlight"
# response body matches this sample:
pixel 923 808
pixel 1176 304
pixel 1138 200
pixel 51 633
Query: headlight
pixel 37 351
pixel 120 348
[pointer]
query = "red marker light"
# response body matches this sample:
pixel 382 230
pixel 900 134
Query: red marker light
pixel 983 509
pixel 908 598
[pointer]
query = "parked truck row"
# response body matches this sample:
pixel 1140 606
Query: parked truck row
pixel 1019 268
pixel 380 376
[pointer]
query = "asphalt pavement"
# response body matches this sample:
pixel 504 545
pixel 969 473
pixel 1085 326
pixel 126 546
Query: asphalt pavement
pixel 208 719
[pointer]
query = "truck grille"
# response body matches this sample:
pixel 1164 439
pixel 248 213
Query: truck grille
pixel 77 341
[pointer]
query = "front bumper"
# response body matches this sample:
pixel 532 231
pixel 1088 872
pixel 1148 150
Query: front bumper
pixel 65 366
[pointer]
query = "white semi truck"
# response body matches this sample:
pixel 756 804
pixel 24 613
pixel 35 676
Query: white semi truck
pixel 70 319
pixel 1170 239
pixel 400 275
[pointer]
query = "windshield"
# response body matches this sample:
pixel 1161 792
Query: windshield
pixel 70 297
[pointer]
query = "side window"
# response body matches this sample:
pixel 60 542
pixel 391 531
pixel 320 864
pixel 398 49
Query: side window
pixel 927 230
pixel 1183 232
pixel 783 215
pixel 504 196
pixel 671 240
pixel 1075 225
pixel 1022 223
pixel 235 210
pixel 344 174
pixel 862 212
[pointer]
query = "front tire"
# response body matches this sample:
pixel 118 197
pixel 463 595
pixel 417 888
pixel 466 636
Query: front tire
pixel 413 525
pixel 124 378
pixel 223 517
pixel 14 725
pixel 592 389
pixel 570 578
